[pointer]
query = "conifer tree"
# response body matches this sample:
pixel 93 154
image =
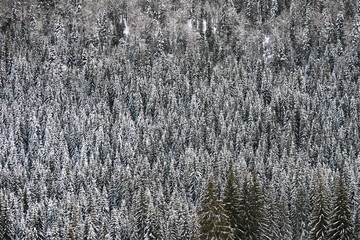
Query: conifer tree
pixel 284 217
pixel 232 204
pixel 257 202
pixel 74 229
pixel 141 213
pixel 174 231
pixel 96 96
pixel 6 224
pixel 39 225
pixel 300 209
pixel 244 208
pixel 124 222
pixel 178 224
pixel 89 229
pixel 341 225
pixel 153 224
pixel 214 223
pixel 275 213
pixel 252 209
pixel 320 213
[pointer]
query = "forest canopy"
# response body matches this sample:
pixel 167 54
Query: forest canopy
pixel 179 119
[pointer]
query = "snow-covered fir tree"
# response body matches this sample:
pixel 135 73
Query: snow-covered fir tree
pixel 114 115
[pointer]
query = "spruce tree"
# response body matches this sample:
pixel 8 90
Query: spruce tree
pixel 6 224
pixel 39 225
pixel 300 207
pixel 214 223
pixel 277 214
pixel 252 209
pixel 74 228
pixel 341 225
pixel 232 204
pixel 244 209
pixel 141 213
pixel 174 231
pixel 284 217
pixel 153 228
pixel 320 213
pixel 257 202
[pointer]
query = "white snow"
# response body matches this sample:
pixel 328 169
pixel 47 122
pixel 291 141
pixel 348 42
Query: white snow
pixel 204 26
pixel 189 24
pixel 266 39
pixel 126 30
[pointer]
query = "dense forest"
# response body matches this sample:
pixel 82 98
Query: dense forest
pixel 180 119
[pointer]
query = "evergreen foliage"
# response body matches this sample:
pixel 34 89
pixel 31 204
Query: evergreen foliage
pixel 320 213
pixel 231 199
pixel 114 113
pixel 341 223
pixel 6 220
pixel 213 221
pixel 254 224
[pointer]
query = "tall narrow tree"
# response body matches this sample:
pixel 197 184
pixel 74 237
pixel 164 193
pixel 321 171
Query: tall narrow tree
pixel 341 225
pixel 6 224
pixel 214 223
pixel 232 204
pixel 252 209
pixel 320 213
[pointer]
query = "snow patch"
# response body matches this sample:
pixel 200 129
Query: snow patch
pixel 204 26
pixel 126 30
pixel 189 24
